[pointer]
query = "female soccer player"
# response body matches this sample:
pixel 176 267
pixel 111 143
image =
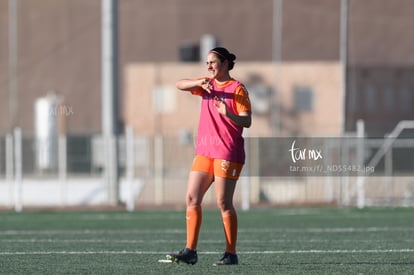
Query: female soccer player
pixel 225 111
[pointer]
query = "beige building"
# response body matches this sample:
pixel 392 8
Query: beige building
pixel 59 48
pixel 307 101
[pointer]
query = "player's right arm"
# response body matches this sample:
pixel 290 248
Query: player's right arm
pixel 194 85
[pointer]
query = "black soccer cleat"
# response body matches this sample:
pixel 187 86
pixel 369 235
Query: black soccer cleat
pixel 228 259
pixel 186 255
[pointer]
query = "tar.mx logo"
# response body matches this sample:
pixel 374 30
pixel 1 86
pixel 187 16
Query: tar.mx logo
pixel 61 110
pixel 304 154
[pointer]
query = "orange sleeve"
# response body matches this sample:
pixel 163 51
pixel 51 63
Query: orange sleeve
pixel 198 90
pixel 241 100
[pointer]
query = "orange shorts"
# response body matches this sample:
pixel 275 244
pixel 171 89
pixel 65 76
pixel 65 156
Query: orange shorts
pixel 217 167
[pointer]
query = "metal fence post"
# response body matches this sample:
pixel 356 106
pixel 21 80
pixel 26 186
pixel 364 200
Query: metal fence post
pixel 130 166
pixel 158 170
pixel 10 166
pixel 62 151
pixel 18 188
pixel 360 156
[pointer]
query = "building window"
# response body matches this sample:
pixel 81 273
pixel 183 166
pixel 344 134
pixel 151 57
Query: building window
pixel 163 99
pixel 354 104
pixel 260 98
pixel 303 96
pixel 406 99
pixel 388 99
pixel 370 98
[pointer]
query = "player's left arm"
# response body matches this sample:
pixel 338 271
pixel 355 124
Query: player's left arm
pixel 243 119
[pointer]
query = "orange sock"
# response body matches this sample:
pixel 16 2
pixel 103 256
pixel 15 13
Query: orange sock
pixel 194 217
pixel 230 230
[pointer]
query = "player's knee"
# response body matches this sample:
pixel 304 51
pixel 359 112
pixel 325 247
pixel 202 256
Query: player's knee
pixel 192 200
pixel 224 205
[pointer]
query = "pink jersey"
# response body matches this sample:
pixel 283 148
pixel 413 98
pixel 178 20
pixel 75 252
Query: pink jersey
pixel 218 137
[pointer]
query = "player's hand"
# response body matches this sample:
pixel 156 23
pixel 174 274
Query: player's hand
pixel 206 85
pixel 220 105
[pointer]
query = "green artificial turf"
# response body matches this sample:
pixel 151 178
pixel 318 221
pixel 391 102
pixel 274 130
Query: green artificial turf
pixel 271 241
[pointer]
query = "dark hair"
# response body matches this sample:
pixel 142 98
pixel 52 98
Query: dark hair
pixel 224 54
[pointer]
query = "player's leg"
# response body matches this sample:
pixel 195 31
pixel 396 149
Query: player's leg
pixel 198 184
pixel 199 180
pixel 225 184
pixel 224 189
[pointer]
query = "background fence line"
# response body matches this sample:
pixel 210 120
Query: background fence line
pixel 154 172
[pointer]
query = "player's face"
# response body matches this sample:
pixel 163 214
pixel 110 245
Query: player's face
pixel 214 66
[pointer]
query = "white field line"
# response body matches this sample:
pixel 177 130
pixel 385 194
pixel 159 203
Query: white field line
pixel 137 252
pixel 89 232
pixel 181 231
pixel 160 241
